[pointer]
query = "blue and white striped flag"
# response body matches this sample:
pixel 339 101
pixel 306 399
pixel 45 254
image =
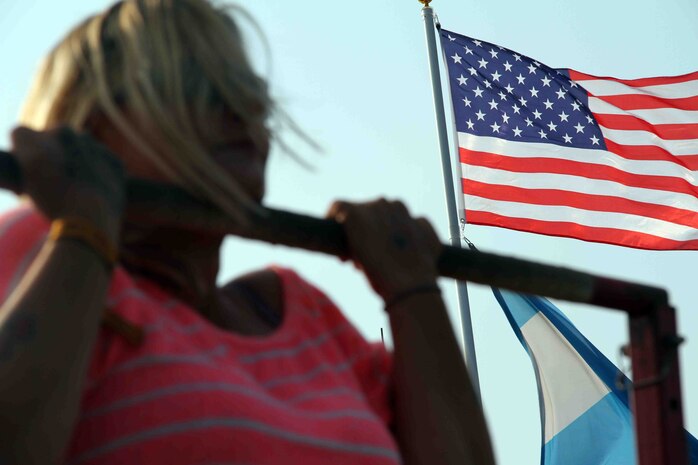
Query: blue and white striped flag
pixel 586 418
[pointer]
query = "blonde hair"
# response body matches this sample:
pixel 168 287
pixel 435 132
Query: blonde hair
pixel 171 64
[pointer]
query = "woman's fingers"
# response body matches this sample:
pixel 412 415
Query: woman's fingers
pixel 67 173
pixel 429 236
pixel 393 249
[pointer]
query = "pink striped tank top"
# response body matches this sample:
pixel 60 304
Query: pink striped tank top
pixel 312 392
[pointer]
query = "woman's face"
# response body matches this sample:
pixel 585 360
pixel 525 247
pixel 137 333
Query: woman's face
pixel 235 150
pixel 227 140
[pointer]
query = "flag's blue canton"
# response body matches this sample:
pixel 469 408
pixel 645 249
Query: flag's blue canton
pixel 499 93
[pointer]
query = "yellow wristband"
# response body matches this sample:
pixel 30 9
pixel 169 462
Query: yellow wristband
pixel 83 230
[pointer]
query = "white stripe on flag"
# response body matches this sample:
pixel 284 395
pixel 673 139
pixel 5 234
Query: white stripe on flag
pixel 570 387
pixel 579 184
pixel 653 116
pixel 600 157
pixel 555 213
pixel 602 88
pixel 636 137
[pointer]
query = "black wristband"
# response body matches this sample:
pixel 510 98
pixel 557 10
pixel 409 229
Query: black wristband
pixel 399 297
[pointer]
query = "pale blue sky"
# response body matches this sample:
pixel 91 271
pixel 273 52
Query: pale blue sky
pixel 354 75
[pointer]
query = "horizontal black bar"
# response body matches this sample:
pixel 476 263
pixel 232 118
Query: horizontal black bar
pixel 168 205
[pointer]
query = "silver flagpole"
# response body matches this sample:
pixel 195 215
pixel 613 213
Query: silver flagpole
pixel 453 213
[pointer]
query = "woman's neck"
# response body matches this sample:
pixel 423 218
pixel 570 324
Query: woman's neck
pixel 184 264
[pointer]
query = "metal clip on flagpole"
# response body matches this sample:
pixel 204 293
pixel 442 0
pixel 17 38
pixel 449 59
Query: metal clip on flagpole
pixel 447 171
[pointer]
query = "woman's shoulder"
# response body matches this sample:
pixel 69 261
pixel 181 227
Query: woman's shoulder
pixel 270 280
pixel 266 283
pixel 279 286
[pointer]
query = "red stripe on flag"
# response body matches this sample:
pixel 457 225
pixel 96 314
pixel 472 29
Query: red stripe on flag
pixel 574 168
pixel 649 102
pixel 689 161
pixel 652 152
pixel 576 231
pixel 600 203
pixel 642 82
pixel 664 131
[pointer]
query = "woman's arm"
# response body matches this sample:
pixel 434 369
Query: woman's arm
pixel 48 327
pixel 438 417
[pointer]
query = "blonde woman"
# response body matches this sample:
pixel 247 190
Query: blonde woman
pixel 116 345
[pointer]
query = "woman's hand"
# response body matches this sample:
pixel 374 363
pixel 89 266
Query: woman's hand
pixel 394 250
pixel 66 173
pixel 436 412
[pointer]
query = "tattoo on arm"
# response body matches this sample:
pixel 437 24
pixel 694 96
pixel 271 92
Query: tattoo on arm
pixel 15 332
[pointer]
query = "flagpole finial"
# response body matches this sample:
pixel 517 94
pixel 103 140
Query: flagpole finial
pixel 425 3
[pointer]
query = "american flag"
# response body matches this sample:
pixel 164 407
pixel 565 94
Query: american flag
pixel 563 153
